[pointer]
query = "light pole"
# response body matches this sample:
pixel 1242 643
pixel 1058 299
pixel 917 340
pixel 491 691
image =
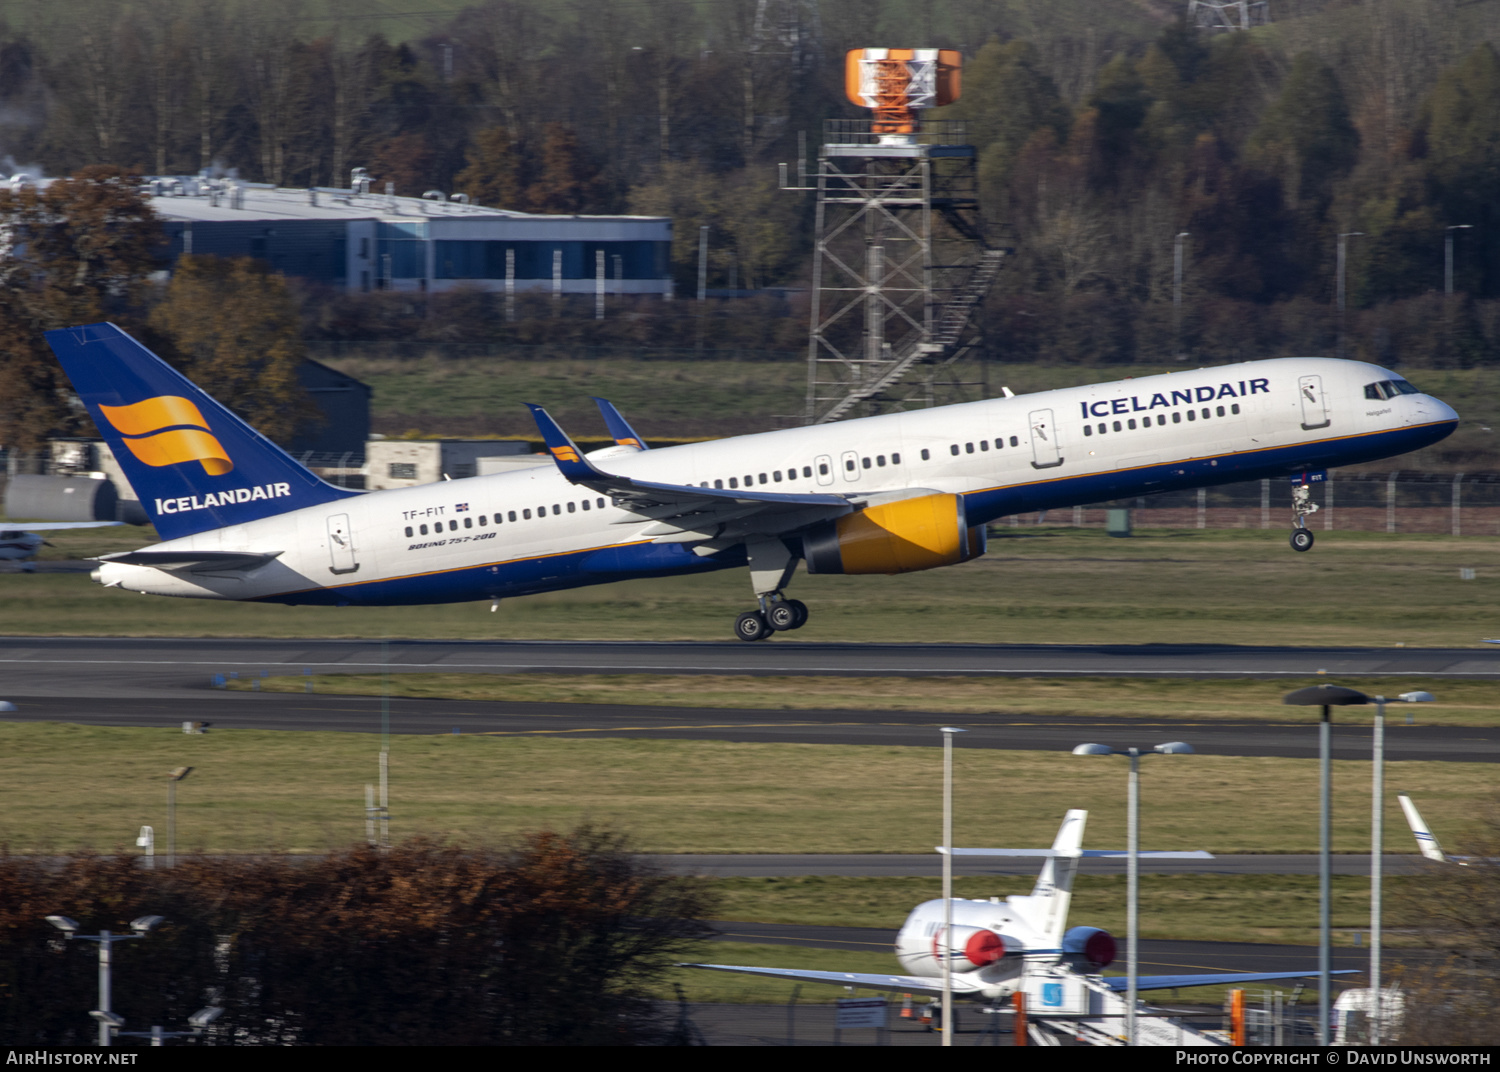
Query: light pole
pixel 172 779
pixel 1448 255
pixel 947 945
pixel 1340 287
pixel 1132 863
pixel 104 1014
pixel 1328 696
pixel 1177 291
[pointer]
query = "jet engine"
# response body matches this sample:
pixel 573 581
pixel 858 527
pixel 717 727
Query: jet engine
pixel 923 532
pixel 1089 948
pixel 972 948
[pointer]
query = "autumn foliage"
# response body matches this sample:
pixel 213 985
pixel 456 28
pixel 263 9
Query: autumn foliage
pixel 553 943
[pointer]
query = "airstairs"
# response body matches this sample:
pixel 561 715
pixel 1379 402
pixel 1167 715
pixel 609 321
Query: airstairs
pixel 1063 1004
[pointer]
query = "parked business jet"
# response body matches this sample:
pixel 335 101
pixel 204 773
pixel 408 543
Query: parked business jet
pixel 21 542
pixel 890 494
pixel 996 945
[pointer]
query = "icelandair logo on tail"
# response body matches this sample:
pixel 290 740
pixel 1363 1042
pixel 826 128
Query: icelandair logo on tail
pixel 564 454
pixel 154 432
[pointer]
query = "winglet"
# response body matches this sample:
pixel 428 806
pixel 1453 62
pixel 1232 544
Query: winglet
pixel 570 460
pixel 618 426
pixel 1425 841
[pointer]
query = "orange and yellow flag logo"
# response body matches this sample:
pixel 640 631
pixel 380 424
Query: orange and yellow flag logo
pixel 151 436
pixel 564 454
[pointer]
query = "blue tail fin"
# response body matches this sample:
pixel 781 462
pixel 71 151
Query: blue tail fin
pixel 195 465
pixel 619 427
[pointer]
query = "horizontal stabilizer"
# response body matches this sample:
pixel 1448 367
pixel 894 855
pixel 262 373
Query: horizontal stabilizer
pixel 1095 854
pixel 56 526
pixel 194 561
pixel 1120 983
pixel 915 984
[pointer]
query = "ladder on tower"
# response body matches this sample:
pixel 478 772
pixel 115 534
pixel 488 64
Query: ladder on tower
pixel 951 321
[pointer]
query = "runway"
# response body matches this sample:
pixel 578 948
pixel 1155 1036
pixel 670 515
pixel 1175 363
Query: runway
pixel 241 710
pixel 165 682
pixel 155 666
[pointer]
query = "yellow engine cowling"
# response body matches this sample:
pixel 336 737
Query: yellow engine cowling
pixel 904 536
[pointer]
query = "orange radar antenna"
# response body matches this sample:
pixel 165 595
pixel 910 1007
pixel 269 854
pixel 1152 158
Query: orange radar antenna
pixel 896 83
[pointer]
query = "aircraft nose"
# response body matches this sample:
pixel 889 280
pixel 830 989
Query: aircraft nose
pixel 1438 410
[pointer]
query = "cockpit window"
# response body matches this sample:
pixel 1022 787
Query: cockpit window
pixel 1388 389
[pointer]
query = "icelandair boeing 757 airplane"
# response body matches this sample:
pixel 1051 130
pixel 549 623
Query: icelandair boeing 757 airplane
pixel 890 494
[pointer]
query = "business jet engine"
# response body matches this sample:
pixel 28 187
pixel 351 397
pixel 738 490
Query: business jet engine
pixel 972 948
pixel 1088 948
pixel 919 533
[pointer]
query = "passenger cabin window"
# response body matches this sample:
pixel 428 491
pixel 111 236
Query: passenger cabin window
pixel 571 509
pixel 865 462
pixel 968 448
pixel 807 470
pixel 895 459
pixel 1176 418
pixel 1130 424
pixel 453 526
pixel 424 530
pixel 1000 443
pixel 408 530
pixel 585 504
pixel 468 522
pixel 880 460
pixel 1161 418
pixel 953 450
pixel 1015 441
pixel 719 484
pixel 984 444
pixel 926 455
pixel 1221 411
pixel 1088 429
pixel 526 514
pixel 1235 409
pixel 1117 426
pixel 483 520
pixel 1192 414
pixel 601 503
pixel 762 478
pixel 733 482
pixel 512 514
pixel 556 509
pixel 776 474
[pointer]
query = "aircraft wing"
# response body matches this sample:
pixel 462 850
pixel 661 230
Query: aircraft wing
pixel 57 526
pixel 904 983
pixel 670 501
pixel 193 561
pixel 1120 983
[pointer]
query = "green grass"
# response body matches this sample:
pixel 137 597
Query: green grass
pixel 1170 700
pixel 66 787
pixel 1037 585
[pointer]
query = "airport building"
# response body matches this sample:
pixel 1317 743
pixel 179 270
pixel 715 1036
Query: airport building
pixel 357 240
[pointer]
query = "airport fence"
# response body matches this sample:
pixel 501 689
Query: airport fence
pixel 1400 501
pixel 1270 1020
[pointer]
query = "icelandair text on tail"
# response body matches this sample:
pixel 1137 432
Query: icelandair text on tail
pixel 222 498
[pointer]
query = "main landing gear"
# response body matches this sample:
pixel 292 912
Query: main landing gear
pixel 780 615
pixel 1302 508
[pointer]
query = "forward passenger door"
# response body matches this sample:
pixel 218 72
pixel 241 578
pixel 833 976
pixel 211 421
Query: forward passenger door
pixel 1045 452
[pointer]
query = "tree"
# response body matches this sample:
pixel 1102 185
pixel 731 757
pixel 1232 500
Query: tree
pixel 81 251
pixel 557 941
pixel 492 176
pixel 567 181
pixel 1306 135
pixel 236 332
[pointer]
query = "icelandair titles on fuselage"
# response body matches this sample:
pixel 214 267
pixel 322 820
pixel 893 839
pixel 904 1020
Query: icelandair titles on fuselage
pixel 1189 397
pixel 222 498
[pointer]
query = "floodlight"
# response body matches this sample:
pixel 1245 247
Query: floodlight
pixel 108 1018
pixel 63 923
pixel 142 924
pixel 180 773
pixel 1093 750
pixel 203 1017
pixel 1175 748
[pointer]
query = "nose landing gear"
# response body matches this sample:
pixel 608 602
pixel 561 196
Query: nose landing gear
pixel 1302 508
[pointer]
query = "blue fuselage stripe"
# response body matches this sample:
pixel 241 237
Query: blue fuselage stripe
pixel 596 565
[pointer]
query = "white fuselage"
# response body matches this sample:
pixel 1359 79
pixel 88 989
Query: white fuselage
pixel 531 530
